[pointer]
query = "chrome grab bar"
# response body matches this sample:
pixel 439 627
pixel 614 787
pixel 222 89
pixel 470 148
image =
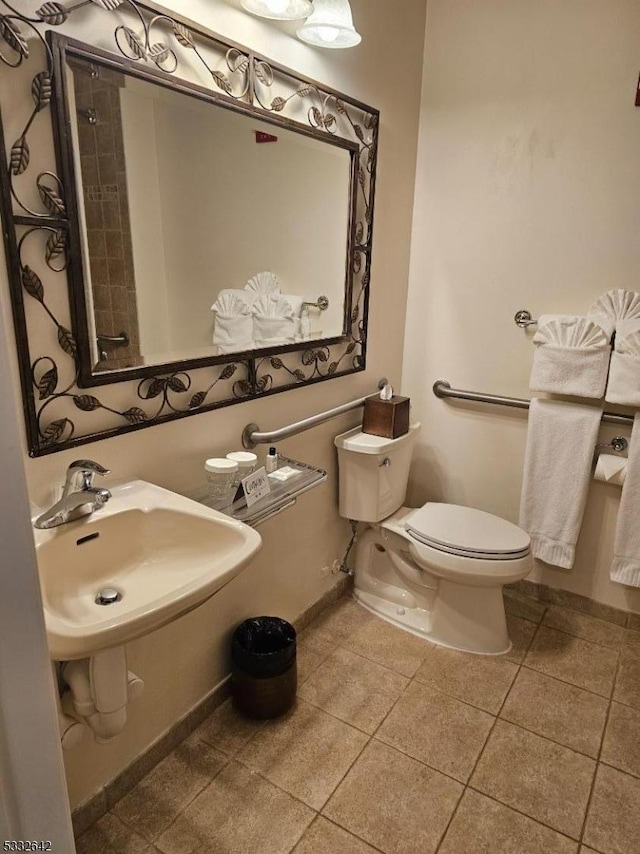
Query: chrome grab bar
pixel 442 389
pixel 251 435
pixel 106 341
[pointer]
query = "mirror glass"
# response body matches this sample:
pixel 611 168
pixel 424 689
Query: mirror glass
pixel 204 231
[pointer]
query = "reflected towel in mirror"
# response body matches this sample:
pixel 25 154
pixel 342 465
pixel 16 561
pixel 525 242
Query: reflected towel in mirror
pixel 273 320
pixel 233 326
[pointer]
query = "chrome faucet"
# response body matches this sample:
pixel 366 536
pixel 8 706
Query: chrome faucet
pixel 79 496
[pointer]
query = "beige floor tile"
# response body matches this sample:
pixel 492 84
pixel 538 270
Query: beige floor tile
pixel 521 633
pixel 312 649
pixel 153 804
pixel 632 640
pixel 307 752
pixel 544 780
pixel 390 646
pixel 111 836
pixel 573 660
pixel 633 622
pixel 585 850
pixel 341 619
pixel 482 825
pixel 583 626
pixel 482 680
pixel 443 732
pixel 354 689
pixel 238 813
pixel 227 729
pixel 627 688
pixel 519 605
pixel 556 710
pixel 397 804
pixel 324 837
pixel 613 822
pixel 621 746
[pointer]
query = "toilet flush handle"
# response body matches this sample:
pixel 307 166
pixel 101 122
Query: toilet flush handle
pixel 385 463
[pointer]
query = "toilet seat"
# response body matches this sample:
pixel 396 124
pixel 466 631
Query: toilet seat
pixel 466 532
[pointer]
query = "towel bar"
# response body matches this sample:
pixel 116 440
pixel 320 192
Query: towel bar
pixel 442 389
pixel 523 319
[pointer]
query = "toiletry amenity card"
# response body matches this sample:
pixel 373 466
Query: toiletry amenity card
pixel 256 486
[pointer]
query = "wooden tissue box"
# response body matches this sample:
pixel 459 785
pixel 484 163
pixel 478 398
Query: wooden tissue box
pixel 388 418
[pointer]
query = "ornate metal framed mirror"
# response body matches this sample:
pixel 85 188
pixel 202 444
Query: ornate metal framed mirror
pixel 204 237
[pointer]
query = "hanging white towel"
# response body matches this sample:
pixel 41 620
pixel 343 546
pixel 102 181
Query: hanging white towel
pixel 273 321
pixel 614 308
pixel 623 385
pixel 233 326
pixel 561 440
pixel 571 357
pixel 625 568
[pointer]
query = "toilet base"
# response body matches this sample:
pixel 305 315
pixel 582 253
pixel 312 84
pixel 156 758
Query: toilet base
pixel 481 633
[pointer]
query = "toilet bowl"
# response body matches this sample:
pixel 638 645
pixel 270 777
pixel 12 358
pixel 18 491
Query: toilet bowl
pixel 436 571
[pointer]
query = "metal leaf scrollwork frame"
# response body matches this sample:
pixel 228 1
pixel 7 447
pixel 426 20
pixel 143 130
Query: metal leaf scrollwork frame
pixel 40 221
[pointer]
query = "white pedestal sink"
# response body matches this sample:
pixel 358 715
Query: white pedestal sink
pixel 161 552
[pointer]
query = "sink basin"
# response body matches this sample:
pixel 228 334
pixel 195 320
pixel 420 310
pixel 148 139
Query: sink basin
pixel 157 553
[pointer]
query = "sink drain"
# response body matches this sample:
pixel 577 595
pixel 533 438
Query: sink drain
pixel 108 596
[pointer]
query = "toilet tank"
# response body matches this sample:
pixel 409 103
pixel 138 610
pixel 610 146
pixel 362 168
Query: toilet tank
pixel 373 473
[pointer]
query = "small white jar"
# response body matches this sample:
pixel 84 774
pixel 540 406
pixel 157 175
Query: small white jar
pixel 221 475
pixel 246 463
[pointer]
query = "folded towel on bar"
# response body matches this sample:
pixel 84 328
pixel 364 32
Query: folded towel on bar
pixel 247 297
pixel 615 307
pixel 273 321
pixel 263 283
pixel 623 385
pixel 571 356
pixel 625 568
pixel 233 326
pixel 561 441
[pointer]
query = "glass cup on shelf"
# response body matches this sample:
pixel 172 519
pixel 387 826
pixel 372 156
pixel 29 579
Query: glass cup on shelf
pixel 246 461
pixel 221 477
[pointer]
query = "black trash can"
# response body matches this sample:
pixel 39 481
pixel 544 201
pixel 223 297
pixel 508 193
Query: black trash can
pixel 264 674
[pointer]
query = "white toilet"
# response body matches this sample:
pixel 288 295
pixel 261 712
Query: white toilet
pixel 436 571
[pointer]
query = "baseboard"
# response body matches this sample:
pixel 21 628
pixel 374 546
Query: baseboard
pixel 104 799
pixel 575 602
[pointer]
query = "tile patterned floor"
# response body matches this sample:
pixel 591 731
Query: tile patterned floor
pixel 397 746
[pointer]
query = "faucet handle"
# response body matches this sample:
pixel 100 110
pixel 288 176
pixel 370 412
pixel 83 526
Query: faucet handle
pixel 89 466
pixel 86 470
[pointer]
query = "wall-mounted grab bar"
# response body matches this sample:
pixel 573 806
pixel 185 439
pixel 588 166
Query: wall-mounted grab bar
pixel 251 435
pixel 107 341
pixel 441 388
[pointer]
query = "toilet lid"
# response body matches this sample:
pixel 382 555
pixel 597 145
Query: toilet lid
pixel 467 531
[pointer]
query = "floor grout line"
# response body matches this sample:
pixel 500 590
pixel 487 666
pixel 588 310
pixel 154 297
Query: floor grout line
pixel 598 763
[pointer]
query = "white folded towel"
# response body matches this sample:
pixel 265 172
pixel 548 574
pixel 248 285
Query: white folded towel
pixel 233 327
pixel 245 296
pixel 263 283
pixel 273 320
pixel 623 385
pixel 614 307
pixel 561 440
pixel 625 568
pixel 571 356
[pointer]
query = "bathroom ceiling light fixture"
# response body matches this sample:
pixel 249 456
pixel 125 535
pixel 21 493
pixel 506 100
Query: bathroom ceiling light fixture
pixel 279 10
pixel 330 25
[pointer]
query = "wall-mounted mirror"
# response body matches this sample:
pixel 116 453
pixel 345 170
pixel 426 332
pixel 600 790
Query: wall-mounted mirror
pixel 204 231
pixel 202 236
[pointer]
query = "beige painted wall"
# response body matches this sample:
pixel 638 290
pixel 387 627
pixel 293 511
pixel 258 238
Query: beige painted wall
pixel 527 196
pixel 182 662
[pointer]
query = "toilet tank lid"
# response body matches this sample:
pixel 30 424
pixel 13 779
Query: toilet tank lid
pixel 452 525
pixel 367 443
